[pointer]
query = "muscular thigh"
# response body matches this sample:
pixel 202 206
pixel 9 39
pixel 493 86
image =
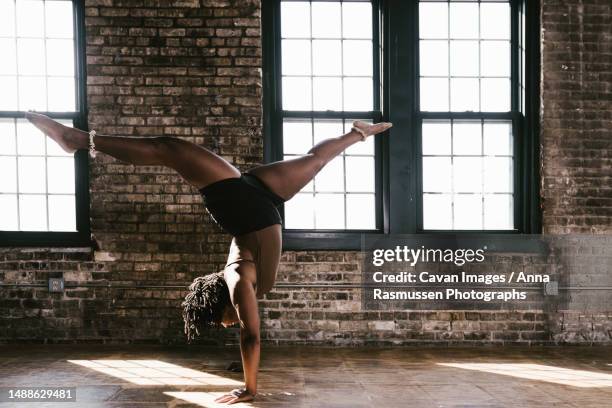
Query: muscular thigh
pixel 196 164
pixel 285 178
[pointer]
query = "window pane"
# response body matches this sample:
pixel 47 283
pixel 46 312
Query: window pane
pixel 60 173
pixel 297 137
pixel 8 62
pixel 434 94
pixel 495 58
pixel 325 129
pixel 61 94
pixel 357 57
pixel 60 57
pixel 366 147
pixel 495 94
pixel 8 215
pixel 62 213
pixel 8 169
pixel 32 93
pixel 7 19
pixel 30 18
pixel 331 177
pixel 467 174
pixel 327 57
pixel 497 138
pixel 467 211
pixel 360 211
pixel 437 174
pixel 32 175
pixel 434 58
pixel 498 174
pixel 342 80
pixel 433 20
pixel 327 94
pixel 464 20
pixel 358 94
pixel 8 96
pixel 30 140
pixel 329 211
pixel 326 20
pixel 436 138
pixel 31 56
pixel 360 174
pixel 478 152
pixel 357 20
pixel 437 211
pixel 498 211
pixel 32 213
pixel 299 212
pixel 296 57
pixel 467 138
pixel 36 72
pixel 297 94
pixel 469 57
pixel 308 188
pixel 295 19
pixel 59 19
pixel 464 58
pixel 7 136
pixel 495 20
pixel 464 94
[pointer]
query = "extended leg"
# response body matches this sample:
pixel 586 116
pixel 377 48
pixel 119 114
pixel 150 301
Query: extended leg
pixel 287 177
pixel 195 164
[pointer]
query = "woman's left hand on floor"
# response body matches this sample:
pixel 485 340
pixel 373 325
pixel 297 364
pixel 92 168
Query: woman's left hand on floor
pixel 234 396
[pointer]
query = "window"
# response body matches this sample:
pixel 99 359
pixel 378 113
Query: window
pixel 467 160
pixel 42 189
pixel 328 77
pixel 459 80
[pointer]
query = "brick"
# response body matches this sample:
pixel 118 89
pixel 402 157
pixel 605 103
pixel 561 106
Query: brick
pixel 192 69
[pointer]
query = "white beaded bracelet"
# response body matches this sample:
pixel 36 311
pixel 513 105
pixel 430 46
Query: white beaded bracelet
pixel 92 145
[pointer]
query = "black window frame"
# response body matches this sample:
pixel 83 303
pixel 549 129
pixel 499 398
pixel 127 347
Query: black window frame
pixel 82 236
pixel 399 171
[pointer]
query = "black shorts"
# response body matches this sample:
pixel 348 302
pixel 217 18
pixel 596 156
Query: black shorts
pixel 242 204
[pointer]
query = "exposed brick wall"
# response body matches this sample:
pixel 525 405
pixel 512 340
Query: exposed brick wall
pixel 337 316
pixel 183 68
pixel 576 116
pixel 191 69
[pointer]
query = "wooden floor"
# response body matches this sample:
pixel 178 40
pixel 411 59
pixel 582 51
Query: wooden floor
pixel 139 376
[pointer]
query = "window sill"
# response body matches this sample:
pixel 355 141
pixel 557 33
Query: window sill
pixel 322 240
pixel 506 242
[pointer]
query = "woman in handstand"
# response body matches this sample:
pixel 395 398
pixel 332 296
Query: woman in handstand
pixel 243 204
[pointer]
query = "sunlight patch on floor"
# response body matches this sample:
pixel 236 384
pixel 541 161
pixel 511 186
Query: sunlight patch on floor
pixel 204 399
pixel 539 372
pixel 155 372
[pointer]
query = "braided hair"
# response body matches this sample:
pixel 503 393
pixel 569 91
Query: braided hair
pixel 204 305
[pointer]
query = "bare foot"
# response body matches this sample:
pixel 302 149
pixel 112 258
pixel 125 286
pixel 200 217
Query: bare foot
pixel 68 138
pixel 367 129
